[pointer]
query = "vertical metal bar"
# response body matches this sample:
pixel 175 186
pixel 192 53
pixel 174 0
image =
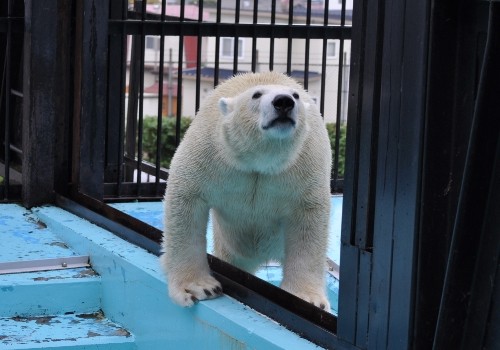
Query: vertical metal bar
pixel 254 38
pixel 271 40
pixel 307 45
pixel 236 39
pixel 179 79
pixel 323 62
pixel 116 100
pixel 339 97
pixel 140 124
pixel 290 39
pixel 159 123
pixel 133 99
pixel 121 125
pixel 217 44
pixel 198 58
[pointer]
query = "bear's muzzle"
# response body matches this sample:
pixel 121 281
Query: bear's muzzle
pixel 283 105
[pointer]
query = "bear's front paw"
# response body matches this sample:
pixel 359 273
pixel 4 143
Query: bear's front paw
pixel 187 293
pixel 317 298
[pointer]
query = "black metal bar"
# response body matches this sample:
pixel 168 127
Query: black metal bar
pixel 254 38
pixel 159 123
pixel 289 37
pixel 236 39
pixel 119 27
pixel 271 39
pixel 307 45
pixel 140 124
pixel 198 59
pixel 116 99
pixel 121 224
pixel 147 167
pixel 340 76
pixel 217 41
pixel 133 98
pixel 179 78
pixel 323 62
pixel 64 92
pixel 121 173
pixel 128 191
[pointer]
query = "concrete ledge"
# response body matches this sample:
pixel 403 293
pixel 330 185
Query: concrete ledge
pixel 134 294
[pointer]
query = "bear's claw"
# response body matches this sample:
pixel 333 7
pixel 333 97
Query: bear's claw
pixel 189 293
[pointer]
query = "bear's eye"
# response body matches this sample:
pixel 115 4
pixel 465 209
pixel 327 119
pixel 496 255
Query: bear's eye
pixel 257 95
pixel 295 95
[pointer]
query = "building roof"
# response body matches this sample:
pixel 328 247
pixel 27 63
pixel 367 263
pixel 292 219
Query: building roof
pixel 153 89
pixel 224 74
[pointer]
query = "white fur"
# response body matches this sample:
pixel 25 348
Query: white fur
pixel 267 189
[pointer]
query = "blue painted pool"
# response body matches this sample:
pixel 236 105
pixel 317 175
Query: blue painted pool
pixel 120 301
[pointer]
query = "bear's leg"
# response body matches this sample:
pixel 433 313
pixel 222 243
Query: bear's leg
pixel 246 264
pixel 223 252
pixel 185 258
pixel 305 258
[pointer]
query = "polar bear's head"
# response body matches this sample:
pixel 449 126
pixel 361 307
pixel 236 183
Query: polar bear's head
pixel 265 125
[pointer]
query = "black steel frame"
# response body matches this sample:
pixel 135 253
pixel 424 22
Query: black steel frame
pixel 121 160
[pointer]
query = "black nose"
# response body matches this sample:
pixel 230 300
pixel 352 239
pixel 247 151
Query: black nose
pixel 283 103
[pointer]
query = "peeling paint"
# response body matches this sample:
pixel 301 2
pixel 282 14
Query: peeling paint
pixel 60 244
pixel 91 328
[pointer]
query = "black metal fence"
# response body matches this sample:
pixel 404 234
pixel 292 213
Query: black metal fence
pixel 153 65
pixel 164 59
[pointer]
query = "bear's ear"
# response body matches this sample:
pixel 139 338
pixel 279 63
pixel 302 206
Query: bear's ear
pixel 226 105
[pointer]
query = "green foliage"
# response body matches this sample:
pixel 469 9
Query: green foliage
pixel 167 148
pixel 331 127
pixel 168 140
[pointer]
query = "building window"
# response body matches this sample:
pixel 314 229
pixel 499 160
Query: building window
pixel 331 49
pixel 152 42
pixel 227 48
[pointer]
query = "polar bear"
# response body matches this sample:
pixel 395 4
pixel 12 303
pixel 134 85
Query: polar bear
pixel 257 157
